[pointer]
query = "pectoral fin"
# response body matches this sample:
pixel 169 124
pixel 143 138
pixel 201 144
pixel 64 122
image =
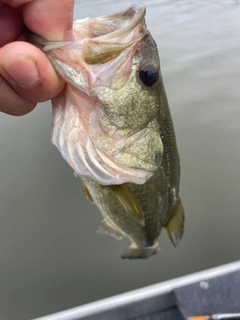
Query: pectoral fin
pixel 107 228
pixel 87 193
pixel 175 225
pixel 129 202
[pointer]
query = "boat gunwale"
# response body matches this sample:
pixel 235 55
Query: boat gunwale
pixel 163 289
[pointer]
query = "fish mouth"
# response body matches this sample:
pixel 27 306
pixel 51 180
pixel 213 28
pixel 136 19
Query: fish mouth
pixel 109 31
pixel 116 25
pixel 106 37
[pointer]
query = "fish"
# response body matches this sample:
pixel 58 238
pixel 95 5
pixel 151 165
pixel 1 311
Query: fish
pixel 113 126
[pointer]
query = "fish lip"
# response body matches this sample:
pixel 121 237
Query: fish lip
pixel 128 31
pixel 138 13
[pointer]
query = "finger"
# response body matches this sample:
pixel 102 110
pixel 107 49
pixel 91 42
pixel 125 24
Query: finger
pixel 15 3
pixel 11 24
pixel 49 18
pixel 29 72
pixel 11 102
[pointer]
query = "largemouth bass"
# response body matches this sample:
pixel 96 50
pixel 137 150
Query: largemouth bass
pixel 113 126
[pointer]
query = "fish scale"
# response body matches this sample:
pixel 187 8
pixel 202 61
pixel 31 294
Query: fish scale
pixel 113 126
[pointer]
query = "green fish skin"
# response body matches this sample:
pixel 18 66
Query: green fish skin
pixel 158 198
pixel 113 126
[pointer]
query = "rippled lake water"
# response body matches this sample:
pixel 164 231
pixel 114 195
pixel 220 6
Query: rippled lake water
pixel 51 256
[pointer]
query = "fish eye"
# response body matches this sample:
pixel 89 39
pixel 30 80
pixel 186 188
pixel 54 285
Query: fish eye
pixel 148 74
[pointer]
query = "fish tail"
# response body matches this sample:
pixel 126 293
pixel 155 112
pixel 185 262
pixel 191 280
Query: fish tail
pixel 133 252
pixel 175 226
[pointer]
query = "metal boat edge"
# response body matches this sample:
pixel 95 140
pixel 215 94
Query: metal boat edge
pixel 143 302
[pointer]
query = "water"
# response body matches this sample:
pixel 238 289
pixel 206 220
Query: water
pixel 51 256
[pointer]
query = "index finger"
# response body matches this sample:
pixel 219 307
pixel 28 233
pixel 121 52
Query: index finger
pixel 48 18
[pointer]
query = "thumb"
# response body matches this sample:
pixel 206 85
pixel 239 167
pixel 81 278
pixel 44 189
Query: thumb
pixel 28 72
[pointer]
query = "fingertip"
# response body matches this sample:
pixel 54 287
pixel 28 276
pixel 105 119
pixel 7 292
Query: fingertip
pixel 50 19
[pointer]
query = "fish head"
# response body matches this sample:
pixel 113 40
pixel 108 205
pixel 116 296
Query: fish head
pixel 105 122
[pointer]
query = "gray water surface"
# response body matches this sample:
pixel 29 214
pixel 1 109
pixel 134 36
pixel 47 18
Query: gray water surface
pixel 51 257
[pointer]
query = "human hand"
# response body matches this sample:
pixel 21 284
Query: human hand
pixel 26 75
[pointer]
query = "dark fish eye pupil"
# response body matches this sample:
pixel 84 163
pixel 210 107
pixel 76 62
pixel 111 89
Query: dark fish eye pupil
pixel 148 74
